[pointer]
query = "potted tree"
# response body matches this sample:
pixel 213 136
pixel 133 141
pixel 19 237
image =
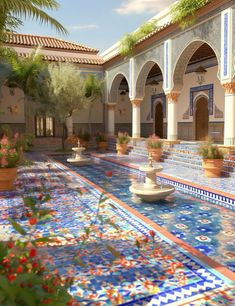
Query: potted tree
pixel 10 154
pixel 213 158
pixel 154 145
pixel 84 138
pixel 122 141
pixel 101 141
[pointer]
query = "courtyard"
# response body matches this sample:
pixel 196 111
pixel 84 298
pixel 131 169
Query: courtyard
pixel 117 168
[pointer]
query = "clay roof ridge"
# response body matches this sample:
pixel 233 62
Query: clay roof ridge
pixel 12 38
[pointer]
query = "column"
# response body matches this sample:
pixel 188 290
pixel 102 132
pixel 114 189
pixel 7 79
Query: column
pixel 69 125
pixel 229 114
pixel 172 115
pixel 111 118
pixel 136 120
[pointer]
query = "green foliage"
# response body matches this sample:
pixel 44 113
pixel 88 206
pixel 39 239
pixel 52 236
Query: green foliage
pixel 25 72
pixel 100 137
pixel 210 151
pixel 154 142
pixel 123 138
pixel 13 11
pixel 24 280
pixel 27 141
pixel 61 91
pixel 184 11
pixel 129 41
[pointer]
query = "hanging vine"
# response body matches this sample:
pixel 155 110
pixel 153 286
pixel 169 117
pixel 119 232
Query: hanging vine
pixel 129 41
pixel 184 11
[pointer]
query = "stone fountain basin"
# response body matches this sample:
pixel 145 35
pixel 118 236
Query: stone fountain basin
pixel 79 149
pixel 79 162
pixel 152 195
pixel 148 169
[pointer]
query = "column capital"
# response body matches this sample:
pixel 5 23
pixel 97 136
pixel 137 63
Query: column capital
pixel 136 102
pixel 111 105
pixel 229 88
pixel 173 96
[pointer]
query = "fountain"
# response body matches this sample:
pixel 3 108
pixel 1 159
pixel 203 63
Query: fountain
pixel 150 191
pixel 78 159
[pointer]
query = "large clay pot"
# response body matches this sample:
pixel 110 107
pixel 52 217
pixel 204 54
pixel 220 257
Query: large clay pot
pixel 156 154
pixel 7 178
pixel 212 167
pixel 102 145
pixel 121 148
pixel 84 143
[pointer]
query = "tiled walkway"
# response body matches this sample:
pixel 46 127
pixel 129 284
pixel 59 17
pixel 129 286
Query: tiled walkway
pixel 163 272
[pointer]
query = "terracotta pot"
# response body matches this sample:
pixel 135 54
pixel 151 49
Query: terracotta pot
pixel 84 143
pixel 212 167
pixel 102 145
pixel 7 178
pixel 121 148
pixel 156 154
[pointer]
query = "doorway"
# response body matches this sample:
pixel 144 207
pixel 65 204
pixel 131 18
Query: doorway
pixel 44 126
pixel 159 120
pixel 201 119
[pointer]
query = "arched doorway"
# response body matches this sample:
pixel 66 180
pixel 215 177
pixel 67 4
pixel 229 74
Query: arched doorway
pixel 201 119
pixel 159 120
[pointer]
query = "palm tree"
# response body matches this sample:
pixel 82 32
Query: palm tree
pixel 12 11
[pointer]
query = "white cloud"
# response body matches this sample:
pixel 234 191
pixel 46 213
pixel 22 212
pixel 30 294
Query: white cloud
pixel 142 6
pixel 83 27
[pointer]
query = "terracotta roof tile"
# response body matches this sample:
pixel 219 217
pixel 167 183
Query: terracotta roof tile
pixel 96 60
pixel 46 42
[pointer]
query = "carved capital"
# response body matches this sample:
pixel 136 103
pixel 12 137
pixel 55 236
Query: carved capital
pixel 229 88
pixel 111 106
pixel 136 102
pixel 172 97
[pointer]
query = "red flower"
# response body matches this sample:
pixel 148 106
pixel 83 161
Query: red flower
pixel 11 277
pixel 19 269
pixel 152 234
pixel 10 245
pixel 32 253
pixel 40 196
pixel 34 265
pixel 23 260
pixel 33 221
pixel 29 214
pixel 109 173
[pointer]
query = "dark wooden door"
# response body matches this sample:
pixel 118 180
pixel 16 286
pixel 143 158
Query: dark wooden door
pixel 202 119
pixel 159 120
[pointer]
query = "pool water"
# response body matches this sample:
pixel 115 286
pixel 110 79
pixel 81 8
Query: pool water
pixel 203 225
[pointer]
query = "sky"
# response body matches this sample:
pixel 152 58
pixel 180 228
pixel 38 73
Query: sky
pixel 98 23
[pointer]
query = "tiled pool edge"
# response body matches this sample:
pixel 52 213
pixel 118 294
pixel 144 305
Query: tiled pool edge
pixel 216 196
pixel 218 268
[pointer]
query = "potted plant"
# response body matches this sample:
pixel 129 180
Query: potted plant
pixel 101 141
pixel 10 154
pixel 122 141
pixel 154 145
pixel 213 158
pixel 84 138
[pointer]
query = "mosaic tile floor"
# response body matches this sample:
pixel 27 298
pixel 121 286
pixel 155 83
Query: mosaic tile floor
pixel 225 184
pixel 160 273
pixel 208 228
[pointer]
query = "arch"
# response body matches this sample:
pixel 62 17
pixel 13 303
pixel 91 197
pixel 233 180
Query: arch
pixel 115 83
pixel 142 77
pixel 183 61
pixel 201 118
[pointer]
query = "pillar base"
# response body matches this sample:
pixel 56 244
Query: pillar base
pixel 229 142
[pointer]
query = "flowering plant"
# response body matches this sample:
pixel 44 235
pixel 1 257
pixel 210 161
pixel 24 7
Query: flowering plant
pixel 123 138
pixel 72 139
pixel 9 151
pixel 154 142
pixel 24 279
